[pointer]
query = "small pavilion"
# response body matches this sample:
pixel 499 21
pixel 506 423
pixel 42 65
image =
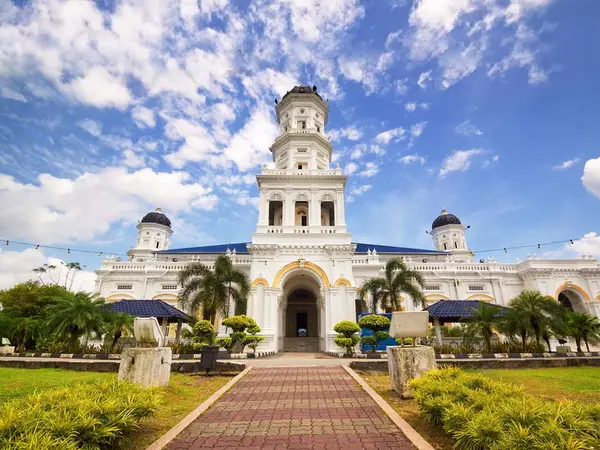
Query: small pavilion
pixel 453 311
pixel 164 313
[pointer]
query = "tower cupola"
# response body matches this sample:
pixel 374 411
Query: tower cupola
pixel 154 234
pixel 448 234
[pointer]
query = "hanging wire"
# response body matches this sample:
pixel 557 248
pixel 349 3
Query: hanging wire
pixel 53 247
pixel 539 246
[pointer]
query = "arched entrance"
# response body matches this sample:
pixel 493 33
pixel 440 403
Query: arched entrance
pixel 571 300
pixel 301 317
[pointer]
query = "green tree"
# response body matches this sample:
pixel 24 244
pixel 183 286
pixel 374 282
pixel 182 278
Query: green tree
pixel 514 324
pixel 116 324
pixel 74 315
pixel 584 327
pixel 347 337
pixel 213 289
pixel 374 290
pixel 540 310
pixel 485 318
pixel 398 278
pixel 71 266
pixel 379 325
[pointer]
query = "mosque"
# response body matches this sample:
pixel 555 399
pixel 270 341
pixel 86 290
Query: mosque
pixel 304 266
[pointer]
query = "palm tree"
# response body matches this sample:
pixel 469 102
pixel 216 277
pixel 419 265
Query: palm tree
pixel 116 324
pixel 74 315
pixel 75 266
pixel 539 309
pixel 399 278
pixel 484 319
pixel 515 324
pixel 213 289
pixel 374 289
pixel 583 326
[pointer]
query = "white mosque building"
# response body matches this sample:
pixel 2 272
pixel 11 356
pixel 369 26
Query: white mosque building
pixel 304 266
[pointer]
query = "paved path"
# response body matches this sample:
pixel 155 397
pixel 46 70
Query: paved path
pixel 294 408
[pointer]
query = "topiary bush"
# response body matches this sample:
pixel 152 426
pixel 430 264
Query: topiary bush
pixel 225 343
pixel 370 341
pixel 347 335
pixel 480 413
pixel 239 325
pixel 251 339
pixel 379 325
pixel 203 332
pixel 90 416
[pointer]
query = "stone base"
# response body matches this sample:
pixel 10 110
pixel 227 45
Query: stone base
pixel 563 349
pixel 406 363
pixel 6 349
pixel 146 366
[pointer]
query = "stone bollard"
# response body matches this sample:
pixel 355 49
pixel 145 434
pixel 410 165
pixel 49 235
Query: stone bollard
pixel 146 366
pixel 406 363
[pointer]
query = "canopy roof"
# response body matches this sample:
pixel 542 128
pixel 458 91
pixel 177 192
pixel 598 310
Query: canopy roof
pixel 149 308
pixel 457 310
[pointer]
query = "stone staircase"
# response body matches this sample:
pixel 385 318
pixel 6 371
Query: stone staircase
pixel 301 344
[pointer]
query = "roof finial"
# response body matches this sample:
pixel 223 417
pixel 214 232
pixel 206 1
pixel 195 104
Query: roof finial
pixel 159 210
pixel 444 210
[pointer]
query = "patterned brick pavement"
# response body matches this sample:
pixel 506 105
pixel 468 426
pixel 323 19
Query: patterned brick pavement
pixel 294 408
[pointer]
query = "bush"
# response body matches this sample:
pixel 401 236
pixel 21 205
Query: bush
pixel 251 340
pixel 239 338
pixel 407 341
pixel 225 343
pixel 379 325
pixel 91 416
pixel 498 347
pixel 481 413
pixel 203 332
pixel 239 323
pixel 370 341
pixel 346 328
pixel 181 348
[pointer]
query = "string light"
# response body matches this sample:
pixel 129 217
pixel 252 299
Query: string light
pixel 571 241
pixel 539 246
pixel 37 246
pixel 518 247
pixel 53 247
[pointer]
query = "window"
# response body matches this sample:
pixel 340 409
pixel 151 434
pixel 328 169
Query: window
pixel 302 124
pixel 318 129
pixel 445 246
pixel 157 244
pixel 432 287
pixel 304 221
pixel 125 287
pixel 302 150
pixel 300 166
pixel 169 287
pixel 476 287
pixel 456 245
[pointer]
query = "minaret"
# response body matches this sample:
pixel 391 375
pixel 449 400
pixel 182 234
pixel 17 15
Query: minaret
pixel 302 196
pixel 448 234
pixel 154 234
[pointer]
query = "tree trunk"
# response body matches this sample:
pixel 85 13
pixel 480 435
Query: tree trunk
pixel 116 338
pixel 578 342
pixel 524 341
pixel 548 344
pixel 586 343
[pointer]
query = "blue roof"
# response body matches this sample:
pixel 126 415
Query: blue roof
pixel 149 308
pixel 457 310
pixel 240 247
pixel 363 248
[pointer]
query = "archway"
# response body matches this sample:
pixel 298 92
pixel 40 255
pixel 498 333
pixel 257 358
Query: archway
pixel 571 300
pixel 301 312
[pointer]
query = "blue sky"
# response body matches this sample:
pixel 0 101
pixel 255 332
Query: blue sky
pixel 108 110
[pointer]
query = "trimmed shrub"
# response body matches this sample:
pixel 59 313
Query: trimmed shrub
pixel 347 335
pixel 480 413
pixel 204 332
pixel 370 341
pixel 251 340
pixel 239 324
pixel 91 416
pixel 407 341
pixel 379 325
pixel 225 343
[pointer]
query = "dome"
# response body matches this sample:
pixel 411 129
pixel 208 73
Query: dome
pixel 445 219
pixel 302 90
pixel 157 217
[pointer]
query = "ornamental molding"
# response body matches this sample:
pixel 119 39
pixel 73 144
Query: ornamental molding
pixel 263 249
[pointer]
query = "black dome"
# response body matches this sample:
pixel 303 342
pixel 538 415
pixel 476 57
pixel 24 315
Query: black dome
pixel 157 217
pixel 445 219
pixel 302 90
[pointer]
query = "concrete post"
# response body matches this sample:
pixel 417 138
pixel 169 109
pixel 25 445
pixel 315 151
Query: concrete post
pixel 178 332
pixel 438 330
pixel 164 327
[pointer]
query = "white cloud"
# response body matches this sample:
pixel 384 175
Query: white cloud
pixel 91 126
pixel 11 94
pixel 355 191
pixel 377 149
pixel 358 151
pixel 16 267
pixel 424 79
pixel 591 176
pixel 371 169
pixel 412 159
pixel 410 107
pixel 100 88
pixel 400 86
pixel 392 37
pixel 466 128
pixel 133 159
pixel 459 161
pixel 588 244
pixel 567 164
pixel 143 117
pixel 80 209
pixel 417 129
pixel 394 134
pixel 350 132
pixel 351 168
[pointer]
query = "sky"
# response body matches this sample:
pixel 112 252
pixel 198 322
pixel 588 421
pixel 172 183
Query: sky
pixel 111 109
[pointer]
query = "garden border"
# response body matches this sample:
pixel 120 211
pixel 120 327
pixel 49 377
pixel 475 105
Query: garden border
pixel 166 438
pixel 442 356
pixel 105 356
pixel 411 434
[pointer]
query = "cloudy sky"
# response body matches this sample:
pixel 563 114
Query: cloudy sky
pixel 110 109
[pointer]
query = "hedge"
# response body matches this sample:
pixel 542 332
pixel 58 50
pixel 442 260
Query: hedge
pixel 91 416
pixel 480 413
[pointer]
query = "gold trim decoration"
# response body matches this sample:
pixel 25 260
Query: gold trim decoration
pixel 436 297
pixel 482 297
pixel 342 281
pixel 258 281
pixel 165 297
pixel 117 297
pixel 568 285
pixel 301 265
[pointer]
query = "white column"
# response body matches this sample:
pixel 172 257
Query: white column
pixel 290 162
pixel 257 305
pixel 314 210
pixel 340 218
pixel 438 331
pixel 313 159
pixel 263 211
pixel 288 210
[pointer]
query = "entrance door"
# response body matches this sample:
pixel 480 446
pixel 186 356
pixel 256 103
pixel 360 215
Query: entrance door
pixel 302 323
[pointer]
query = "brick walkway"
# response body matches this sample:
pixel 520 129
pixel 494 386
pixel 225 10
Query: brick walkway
pixel 294 408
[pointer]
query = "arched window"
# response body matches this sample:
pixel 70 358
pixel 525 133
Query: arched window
pixel 445 246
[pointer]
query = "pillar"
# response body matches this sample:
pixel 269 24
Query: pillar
pixel 438 330
pixel 164 325
pixel 178 332
pixel 257 305
pixel 314 210
pixel 339 208
pixel 263 210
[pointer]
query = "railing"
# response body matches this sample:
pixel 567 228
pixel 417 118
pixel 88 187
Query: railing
pixel 441 266
pixel 166 265
pixel 312 172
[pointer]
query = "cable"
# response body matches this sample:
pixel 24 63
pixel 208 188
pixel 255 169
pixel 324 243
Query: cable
pixel 505 249
pixel 67 249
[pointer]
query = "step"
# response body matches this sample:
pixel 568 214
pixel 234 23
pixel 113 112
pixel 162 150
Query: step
pixel 301 344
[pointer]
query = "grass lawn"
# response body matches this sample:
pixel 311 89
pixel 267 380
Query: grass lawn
pixel 184 393
pixel 560 383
